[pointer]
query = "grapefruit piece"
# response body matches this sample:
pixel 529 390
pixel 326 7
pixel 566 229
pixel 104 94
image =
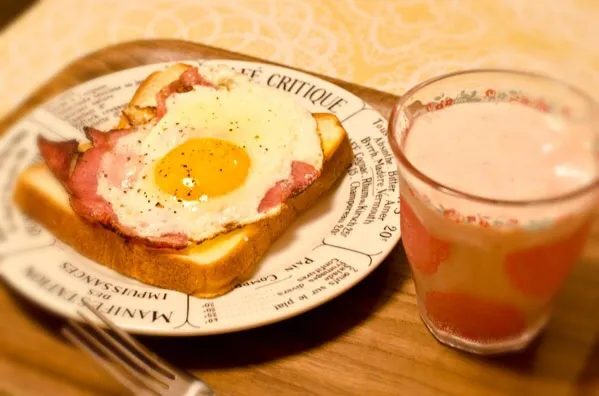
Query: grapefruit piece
pixel 540 270
pixel 474 318
pixel 425 252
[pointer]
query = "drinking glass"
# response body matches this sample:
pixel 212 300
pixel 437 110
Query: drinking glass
pixel 487 270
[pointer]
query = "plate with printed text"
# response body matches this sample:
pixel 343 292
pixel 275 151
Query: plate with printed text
pixel 325 251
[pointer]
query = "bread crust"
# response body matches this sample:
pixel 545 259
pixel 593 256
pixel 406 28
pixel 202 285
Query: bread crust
pixel 179 271
pixel 145 94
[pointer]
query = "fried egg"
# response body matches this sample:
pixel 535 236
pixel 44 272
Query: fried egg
pixel 206 165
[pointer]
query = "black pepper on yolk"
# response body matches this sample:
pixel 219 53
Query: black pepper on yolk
pixel 202 168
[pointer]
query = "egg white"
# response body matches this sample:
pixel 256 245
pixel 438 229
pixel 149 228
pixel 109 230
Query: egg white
pixel 271 125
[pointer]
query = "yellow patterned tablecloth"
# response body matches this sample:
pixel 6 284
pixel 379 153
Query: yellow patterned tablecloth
pixel 387 44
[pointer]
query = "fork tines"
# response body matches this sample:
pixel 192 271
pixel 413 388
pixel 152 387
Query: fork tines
pixel 128 361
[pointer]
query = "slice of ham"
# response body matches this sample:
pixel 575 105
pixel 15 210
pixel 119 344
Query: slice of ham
pixel 302 175
pixel 78 172
pixel 185 83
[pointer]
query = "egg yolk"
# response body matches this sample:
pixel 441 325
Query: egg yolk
pixel 200 169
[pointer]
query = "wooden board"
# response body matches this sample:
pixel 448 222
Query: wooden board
pixel 370 340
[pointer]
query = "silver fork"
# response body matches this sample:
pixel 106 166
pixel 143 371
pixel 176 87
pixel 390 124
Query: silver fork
pixel 138 369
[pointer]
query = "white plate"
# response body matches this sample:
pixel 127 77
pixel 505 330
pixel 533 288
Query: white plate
pixel 325 252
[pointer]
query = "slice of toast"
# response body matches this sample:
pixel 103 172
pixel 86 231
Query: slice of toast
pixel 207 270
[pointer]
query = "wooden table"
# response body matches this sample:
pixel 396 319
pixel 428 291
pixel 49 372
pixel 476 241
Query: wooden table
pixel 369 341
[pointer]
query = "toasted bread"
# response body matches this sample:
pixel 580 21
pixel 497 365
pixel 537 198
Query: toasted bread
pixel 207 270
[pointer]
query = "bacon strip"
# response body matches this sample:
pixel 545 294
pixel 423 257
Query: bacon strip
pixel 185 83
pixel 59 157
pixel 302 175
pixel 78 172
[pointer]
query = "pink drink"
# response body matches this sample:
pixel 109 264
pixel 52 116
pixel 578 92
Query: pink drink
pixel 497 194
